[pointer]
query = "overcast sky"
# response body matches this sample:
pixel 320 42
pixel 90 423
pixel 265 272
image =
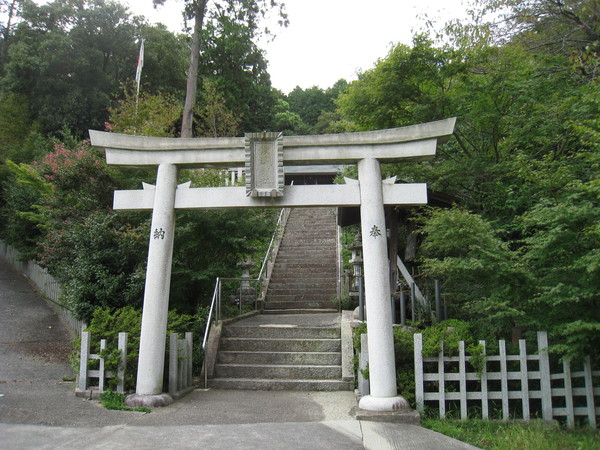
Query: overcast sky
pixel 327 39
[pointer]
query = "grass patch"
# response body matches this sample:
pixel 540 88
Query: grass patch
pixel 515 435
pixel 115 401
pixel 68 379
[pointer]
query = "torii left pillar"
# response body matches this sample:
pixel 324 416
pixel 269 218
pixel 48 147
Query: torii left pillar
pixel 156 293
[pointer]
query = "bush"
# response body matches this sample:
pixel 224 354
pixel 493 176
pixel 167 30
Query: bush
pixel 107 323
pixel 449 331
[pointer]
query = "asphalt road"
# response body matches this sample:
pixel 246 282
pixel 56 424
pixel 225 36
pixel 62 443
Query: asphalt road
pixel 40 410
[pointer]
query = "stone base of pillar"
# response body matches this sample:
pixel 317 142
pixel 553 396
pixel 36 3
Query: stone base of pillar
pixel 406 416
pixel 148 401
pixel 370 403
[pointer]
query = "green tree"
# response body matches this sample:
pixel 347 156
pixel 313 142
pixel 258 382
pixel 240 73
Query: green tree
pixel 521 250
pixel 310 103
pixel 286 121
pixel 408 86
pixel 165 56
pixel 239 13
pixel 215 119
pixel 10 10
pixel 68 60
pixel 15 125
pixel 484 281
pixel 148 115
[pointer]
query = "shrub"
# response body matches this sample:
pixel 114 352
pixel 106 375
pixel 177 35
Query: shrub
pixel 107 323
pixel 449 331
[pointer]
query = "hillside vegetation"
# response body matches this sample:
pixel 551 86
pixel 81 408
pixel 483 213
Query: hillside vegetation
pixel 520 247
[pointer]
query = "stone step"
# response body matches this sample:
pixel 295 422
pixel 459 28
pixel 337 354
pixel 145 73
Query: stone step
pixel 280 345
pixel 326 273
pixel 306 261
pixel 327 248
pixel 311 228
pixel 280 385
pixel 300 304
pixel 322 218
pixel 322 237
pixel 313 276
pixel 301 240
pixel 293 372
pixel 290 265
pixel 300 291
pixel 293 294
pixel 312 301
pixel 317 296
pixel 305 283
pixel 281 332
pixel 299 311
pixel 314 255
pixel 308 289
pixel 323 293
pixel 286 358
pixel 325 233
pixel 305 264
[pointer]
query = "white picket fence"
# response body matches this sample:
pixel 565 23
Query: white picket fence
pixel 43 281
pixel 564 394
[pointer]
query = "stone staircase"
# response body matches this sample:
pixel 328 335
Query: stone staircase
pixel 281 352
pixel 304 277
pixel 296 344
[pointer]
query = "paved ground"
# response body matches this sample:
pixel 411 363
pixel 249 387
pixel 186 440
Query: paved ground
pixel 39 410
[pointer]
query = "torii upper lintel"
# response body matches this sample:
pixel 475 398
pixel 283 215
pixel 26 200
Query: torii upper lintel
pixel 412 143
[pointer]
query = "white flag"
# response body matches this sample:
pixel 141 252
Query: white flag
pixel 140 64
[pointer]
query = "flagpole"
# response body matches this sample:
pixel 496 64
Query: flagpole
pixel 138 72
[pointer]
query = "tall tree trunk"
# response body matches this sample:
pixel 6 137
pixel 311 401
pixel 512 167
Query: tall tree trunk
pixel 6 31
pixel 192 74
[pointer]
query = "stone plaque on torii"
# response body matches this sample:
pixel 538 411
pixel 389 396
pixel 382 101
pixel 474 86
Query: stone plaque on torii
pixel 265 156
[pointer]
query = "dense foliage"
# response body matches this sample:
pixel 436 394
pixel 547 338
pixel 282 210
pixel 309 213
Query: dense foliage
pixel 519 249
pixel 68 67
pixel 107 323
pixel 446 334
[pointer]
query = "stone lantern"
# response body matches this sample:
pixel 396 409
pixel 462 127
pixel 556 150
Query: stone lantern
pixel 245 288
pixel 356 261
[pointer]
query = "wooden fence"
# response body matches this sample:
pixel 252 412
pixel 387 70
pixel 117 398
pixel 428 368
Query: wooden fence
pixel 523 379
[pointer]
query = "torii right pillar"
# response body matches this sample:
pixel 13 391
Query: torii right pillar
pixel 382 366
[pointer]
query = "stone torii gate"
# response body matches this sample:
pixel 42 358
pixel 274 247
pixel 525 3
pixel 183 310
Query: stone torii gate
pixel 264 155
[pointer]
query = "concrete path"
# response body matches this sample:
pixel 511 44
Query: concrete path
pixel 38 410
